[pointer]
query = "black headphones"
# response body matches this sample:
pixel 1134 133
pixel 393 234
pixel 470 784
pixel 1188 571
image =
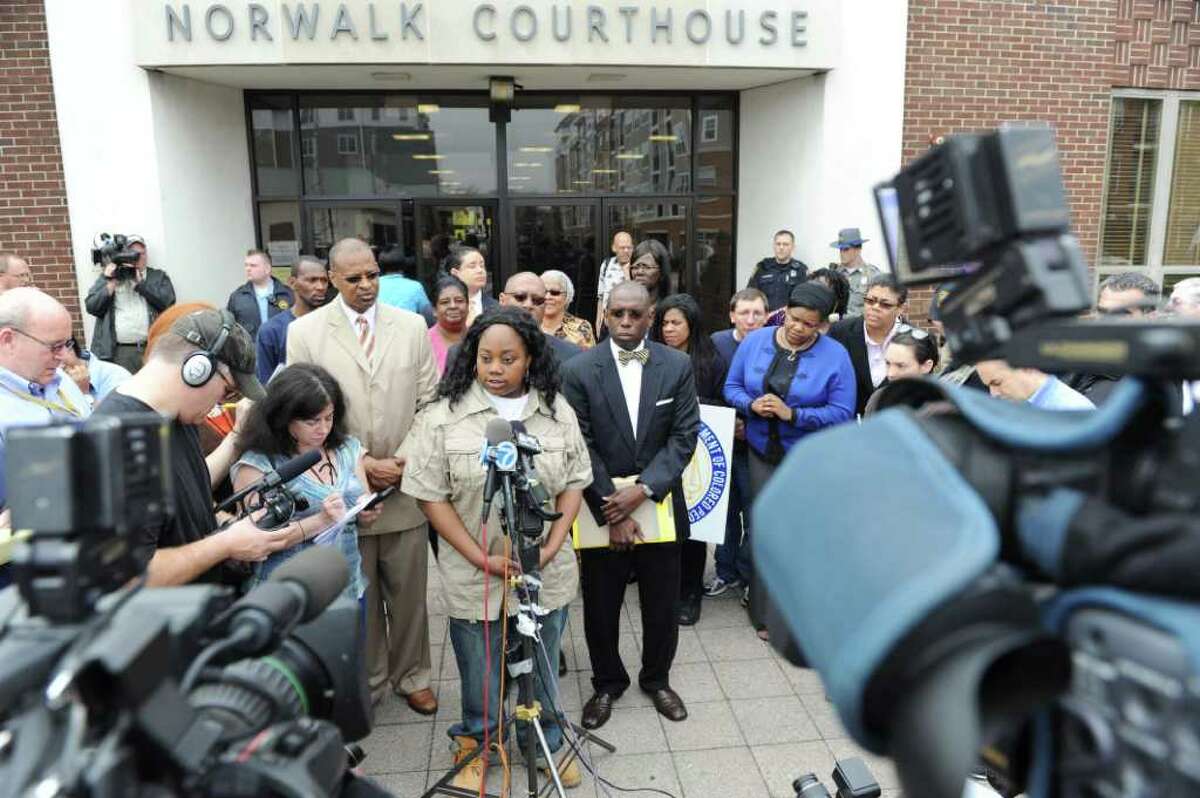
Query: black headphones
pixel 199 367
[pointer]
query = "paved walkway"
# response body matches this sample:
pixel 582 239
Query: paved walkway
pixel 756 722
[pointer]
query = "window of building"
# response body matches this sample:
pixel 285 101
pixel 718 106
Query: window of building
pixel 347 143
pixel 708 128
pixel 345 114
pixel 1151 215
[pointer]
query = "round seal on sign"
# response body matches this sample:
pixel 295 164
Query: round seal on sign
pixel 706 478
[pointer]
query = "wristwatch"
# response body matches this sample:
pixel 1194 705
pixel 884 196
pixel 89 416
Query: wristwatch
pixel 646 490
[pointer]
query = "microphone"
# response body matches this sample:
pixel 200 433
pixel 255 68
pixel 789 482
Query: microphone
pixel 273 479
pixel 295 593
pixel 527 447
pixel 498 457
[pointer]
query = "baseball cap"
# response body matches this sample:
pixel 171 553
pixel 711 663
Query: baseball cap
pixel 134 238
pixel 203 328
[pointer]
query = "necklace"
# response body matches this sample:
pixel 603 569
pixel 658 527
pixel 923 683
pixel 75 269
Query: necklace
pixel 793 353
pixel 325 471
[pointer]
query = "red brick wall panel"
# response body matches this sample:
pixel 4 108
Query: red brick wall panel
pixel 976 64
pixel 33 196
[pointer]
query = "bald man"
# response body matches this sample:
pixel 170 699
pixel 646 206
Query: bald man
pixel 14 272
pixel 526 290
pixel 381 357
pixel 35 334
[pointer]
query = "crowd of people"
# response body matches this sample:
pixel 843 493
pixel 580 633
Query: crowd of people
pixel 394 387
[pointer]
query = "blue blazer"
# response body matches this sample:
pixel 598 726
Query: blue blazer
pixel 822 392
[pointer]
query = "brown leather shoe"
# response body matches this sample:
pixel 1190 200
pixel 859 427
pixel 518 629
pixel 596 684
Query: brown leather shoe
pixel 422 702
pixel 669 704
pixel 597 711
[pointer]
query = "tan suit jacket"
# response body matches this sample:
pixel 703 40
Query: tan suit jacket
pixel 381 402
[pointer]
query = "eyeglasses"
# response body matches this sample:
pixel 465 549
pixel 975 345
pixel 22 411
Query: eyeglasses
pixel 649 267
pixel 55 348
pixel 358 278
pixel 882 304
pixel 523 297
pixel 915 332
pixel 554 292
pixel 232 392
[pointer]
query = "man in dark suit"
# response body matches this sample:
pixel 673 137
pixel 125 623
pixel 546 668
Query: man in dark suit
pixel 637 409
pixel 866 337
pixel 261 297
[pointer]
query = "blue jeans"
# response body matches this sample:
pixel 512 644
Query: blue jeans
pixel 467 638
pixel 733 556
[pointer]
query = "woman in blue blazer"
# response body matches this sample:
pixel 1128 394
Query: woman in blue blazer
pixel 790 381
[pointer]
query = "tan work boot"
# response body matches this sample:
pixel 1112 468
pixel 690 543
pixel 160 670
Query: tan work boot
pixel 569 772
pixel 470 777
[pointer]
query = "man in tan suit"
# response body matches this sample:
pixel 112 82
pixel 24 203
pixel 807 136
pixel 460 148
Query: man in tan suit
pixel 381 357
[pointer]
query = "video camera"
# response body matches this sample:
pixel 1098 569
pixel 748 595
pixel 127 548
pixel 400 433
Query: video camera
pixel 1020 583
pixel 109 248
pixel 108 688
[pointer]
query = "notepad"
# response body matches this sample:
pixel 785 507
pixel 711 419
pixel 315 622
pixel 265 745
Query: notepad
pixel 329 533
pixel 656 520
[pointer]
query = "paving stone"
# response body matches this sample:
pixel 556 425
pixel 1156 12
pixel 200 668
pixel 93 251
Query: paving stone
pixel 756 678
pixel 708 725
pixel 399 748
pixel 634 771
pixel 721 773
pixel 696 682
pixel 766 721
pixel 733 644
pixel 824 715
pixel 634 729
pixel 782 764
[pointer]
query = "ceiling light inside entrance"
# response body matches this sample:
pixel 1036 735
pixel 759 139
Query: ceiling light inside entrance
pixel 424 156
pixel 657 137
pixel 630 156
pixel 604 171
pixel 442 172
pixel 567 108
pixel 537 149
pixel 411 136
pixel 428 108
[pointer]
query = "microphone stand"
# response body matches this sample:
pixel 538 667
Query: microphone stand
pixel 524 520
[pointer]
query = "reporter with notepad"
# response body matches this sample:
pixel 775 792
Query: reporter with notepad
pixel 503 369
pixel 305 411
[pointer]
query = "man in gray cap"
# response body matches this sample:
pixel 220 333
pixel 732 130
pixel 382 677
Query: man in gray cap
pixel 858 272
pixel 205 358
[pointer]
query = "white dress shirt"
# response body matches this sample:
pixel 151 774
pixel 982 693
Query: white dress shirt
pixel 352 315
pixel 631 382
pixel 131 317
pixel 877 355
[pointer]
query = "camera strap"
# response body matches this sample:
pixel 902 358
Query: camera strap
pixel 64 407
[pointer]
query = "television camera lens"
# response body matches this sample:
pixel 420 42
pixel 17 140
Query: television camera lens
pixel 809 786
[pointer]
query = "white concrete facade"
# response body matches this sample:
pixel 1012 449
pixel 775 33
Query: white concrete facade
pixel 153 128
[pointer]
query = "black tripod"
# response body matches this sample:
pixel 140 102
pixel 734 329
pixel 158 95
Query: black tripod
pixel 523 519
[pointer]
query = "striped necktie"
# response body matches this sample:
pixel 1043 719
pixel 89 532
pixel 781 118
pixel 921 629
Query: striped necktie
pixel 365 339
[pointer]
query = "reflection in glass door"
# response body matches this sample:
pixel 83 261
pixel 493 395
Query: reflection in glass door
pixel 664 220
pixel 377 224
pixel 442 226
pixel 562 236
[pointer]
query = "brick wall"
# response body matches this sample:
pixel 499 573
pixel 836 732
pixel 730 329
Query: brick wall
pixel 1156 44
pixel 974 64
pixel 33 198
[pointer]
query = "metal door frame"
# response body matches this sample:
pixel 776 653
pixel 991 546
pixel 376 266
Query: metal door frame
pixel 495 256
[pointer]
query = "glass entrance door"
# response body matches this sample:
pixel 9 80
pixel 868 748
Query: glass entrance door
pixel 442 226
pixel 560 234
pixel 665 220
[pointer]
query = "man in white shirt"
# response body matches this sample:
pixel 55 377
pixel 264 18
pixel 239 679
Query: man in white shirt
pixel 35 332
pixel 261 297
pixel 613 271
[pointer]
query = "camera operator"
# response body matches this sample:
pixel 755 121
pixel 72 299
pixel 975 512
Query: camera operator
pixel 186 549
pixel 125 302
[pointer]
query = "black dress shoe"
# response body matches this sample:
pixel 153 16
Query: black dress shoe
pixel 597 710
pixel 668 703
pixel 687 612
